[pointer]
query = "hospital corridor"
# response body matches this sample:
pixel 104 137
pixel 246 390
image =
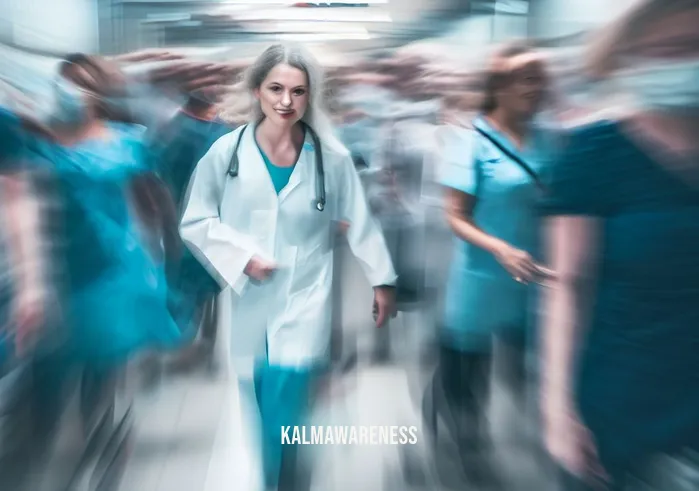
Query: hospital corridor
pixel 188 434
pixel 392 245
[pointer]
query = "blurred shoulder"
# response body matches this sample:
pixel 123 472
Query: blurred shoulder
pixel 453 133
pixel 591 141
pixel 333 152
pixel 584 178
pixel 603 128
pixel 128 133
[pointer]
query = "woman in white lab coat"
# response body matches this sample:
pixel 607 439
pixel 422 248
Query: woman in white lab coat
pixel 261 214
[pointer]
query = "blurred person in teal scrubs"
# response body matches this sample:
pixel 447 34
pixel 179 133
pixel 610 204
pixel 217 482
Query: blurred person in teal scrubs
pixel 491 208
pixel 116 229
pixel 177 147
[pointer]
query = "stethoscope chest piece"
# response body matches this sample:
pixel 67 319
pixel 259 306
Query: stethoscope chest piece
pixel 320 206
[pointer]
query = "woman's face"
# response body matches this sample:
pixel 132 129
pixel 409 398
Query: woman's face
pixel 283 95
pixel 526 86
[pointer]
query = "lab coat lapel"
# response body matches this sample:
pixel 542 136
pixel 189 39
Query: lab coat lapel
pixel 253 158
pixel 305 163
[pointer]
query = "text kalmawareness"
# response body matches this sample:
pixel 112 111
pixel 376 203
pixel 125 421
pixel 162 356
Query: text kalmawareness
pixel 349 435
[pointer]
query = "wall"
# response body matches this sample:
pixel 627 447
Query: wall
pixel 52 25
pixel 557 18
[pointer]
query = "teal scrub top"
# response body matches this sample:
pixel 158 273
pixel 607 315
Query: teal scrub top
pixel 280 175
pixel 117 301
pixel 482 297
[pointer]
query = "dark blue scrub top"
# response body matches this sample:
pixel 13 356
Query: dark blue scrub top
pixel 638 385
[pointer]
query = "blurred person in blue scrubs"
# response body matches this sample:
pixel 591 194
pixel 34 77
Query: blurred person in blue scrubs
pixel 491 208
pixel 31 328
pixel 620 398
pixel 116 229
pixel 26 286
pixel 196 126
pixel 177 147
pixel 23 290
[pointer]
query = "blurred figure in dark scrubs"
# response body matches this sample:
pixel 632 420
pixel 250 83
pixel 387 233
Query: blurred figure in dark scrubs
pixel 178 147
pixel 620 340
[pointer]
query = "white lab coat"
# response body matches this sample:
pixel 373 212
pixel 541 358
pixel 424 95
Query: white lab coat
pixel 229 220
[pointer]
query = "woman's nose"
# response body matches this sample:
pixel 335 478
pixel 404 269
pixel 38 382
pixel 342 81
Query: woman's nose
pixel 286 99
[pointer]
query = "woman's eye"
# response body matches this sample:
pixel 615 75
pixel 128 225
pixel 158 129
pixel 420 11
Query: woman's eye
pixel 299 92
pixel 275 88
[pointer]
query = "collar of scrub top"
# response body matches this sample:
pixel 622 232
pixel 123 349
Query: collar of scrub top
pixel 319 203
pixel 482 124
pixel 506 146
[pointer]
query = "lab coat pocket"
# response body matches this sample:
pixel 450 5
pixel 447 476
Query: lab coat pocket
pixel 311 276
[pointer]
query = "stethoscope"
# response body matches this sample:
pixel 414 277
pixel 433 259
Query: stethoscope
pixel 234 165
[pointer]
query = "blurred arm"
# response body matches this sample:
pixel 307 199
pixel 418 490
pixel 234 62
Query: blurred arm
pixel 364 235
pixel 571 246
pixel 22 212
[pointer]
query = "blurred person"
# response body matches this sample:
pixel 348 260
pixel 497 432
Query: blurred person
pixel 177 148
pixel 492 187
pixel 103 160
pixel 156 81
pixel 113 222
pixel 259 217
pixel 458 109
pixel 197 120
pixel 26 306
pixel 620 400
pixel 366 98
pixel 25 267
pixel 354 130
pixel 394 186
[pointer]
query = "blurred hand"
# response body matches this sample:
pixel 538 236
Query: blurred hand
pixel 384 305
pixel 571 445
pixel 517 262
pixel 147 56
pixel 258 269
pixel 188 75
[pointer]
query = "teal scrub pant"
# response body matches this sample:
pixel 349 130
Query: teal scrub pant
pixel 283 399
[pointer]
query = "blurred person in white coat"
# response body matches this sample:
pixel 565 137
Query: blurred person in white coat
pixel 262 210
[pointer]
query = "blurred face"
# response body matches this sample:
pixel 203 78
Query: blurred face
pixel 671 37
pixel 73 98
pixel 668 37
pixel 88 88
pixel 283 95
pixel 525 87
pixel 655 61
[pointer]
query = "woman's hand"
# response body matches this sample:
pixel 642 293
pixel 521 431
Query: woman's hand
pixel 343 227
pixel 384 304
pixel 258 269
pixel 517 262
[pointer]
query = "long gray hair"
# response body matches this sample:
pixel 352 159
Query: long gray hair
pixel 296 56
